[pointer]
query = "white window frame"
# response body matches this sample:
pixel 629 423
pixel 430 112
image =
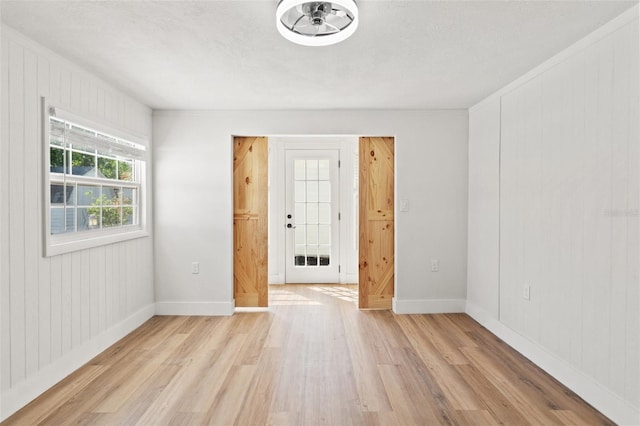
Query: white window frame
pixel 57 244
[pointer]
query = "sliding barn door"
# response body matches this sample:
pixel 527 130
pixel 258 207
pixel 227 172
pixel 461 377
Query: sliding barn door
pixel 250 159
pixel 376 222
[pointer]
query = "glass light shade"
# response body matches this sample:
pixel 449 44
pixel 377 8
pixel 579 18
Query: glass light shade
pixel 289 31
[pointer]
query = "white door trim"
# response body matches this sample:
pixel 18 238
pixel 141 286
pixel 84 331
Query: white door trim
pixel 348 231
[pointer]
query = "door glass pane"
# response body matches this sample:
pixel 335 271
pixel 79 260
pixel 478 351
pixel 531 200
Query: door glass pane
pixel 312 212
pixel 299 192
pixel 324 234
pixel 301 213
pixel 324 213
pixel 312 234
pixel 324 191
pixel 312 192
pixel 312 170
pixel 323 170
pixel 312 255
pixel 299 169
pixel 300 255
pixel 324 253
pixel 300 235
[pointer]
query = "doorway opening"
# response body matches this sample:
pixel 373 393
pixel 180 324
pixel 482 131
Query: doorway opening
pixel 313 221
pixel 318 215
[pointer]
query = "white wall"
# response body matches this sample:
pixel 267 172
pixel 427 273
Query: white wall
pixel 568 217
pixel 484 207
pixel 193 200
pixel 60 311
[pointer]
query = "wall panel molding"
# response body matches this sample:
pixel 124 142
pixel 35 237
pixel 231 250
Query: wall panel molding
pixel 568 164
pixel 57 312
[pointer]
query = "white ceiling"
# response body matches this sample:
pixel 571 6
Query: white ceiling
pixel 418 54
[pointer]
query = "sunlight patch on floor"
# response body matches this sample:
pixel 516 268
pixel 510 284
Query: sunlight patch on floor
pixel 284 297
pixel 343 293
pixel 280 295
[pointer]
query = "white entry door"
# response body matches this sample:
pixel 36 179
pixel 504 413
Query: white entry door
pixel 311 216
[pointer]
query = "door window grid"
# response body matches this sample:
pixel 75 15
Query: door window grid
pixel 312 198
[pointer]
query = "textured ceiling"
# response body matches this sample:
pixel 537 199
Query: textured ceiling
pixel 229 55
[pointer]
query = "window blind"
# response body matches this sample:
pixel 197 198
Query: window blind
pixel 68 133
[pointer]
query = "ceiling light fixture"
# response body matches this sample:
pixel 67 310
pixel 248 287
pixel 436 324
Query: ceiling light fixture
pixel 316 23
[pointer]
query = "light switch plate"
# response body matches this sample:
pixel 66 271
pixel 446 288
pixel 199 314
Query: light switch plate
pixel 435 265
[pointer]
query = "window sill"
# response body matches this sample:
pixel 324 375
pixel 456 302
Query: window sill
pixel 60 244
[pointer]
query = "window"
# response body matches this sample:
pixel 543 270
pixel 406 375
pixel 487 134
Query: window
pixel 95 184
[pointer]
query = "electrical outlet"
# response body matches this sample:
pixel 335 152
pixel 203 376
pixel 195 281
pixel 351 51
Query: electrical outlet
pixel 195 267
pixel 435 265
pixel 526 292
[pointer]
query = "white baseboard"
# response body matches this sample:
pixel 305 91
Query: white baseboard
pixel 346 278
pixel 427 306
pixel 24 392
pixel 195 308
pixel 276 278
pixel 608 403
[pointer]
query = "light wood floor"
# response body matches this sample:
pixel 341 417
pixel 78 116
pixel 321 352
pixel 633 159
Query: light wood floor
pixel 312 358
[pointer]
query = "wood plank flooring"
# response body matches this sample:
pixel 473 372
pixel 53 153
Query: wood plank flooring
pixel 311 358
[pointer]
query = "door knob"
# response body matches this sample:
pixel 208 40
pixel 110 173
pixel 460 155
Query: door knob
pixel 290 225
